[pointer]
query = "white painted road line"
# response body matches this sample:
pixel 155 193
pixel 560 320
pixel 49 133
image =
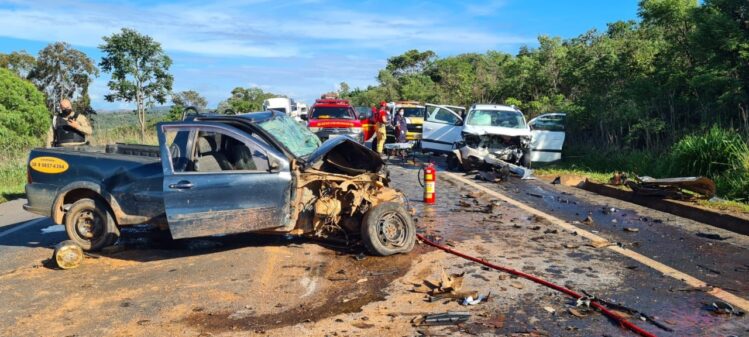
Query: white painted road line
pixel 20 227
pixel 692 281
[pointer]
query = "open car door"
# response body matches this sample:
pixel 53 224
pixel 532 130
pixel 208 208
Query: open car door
pixel 220 180
pixel 547 132
pixel 442 129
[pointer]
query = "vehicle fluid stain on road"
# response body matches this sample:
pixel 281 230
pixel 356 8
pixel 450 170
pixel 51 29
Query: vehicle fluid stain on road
pixel 351 284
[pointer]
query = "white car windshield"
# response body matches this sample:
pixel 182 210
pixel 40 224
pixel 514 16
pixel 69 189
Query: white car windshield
pixel 502 118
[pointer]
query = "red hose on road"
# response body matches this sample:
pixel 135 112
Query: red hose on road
pixel 623 321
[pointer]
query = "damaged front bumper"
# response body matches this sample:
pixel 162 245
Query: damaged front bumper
pixel 488 153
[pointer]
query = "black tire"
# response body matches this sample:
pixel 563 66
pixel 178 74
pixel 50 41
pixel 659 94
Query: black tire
pixel 526 160
pixel 90 225
pixel 453 164
pixel 387 229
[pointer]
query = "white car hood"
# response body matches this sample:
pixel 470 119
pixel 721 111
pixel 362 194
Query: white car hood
pixel 496 130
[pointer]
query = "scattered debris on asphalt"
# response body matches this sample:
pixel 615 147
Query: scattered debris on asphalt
pixel 600 243
pixel 447 318
pixel 631 229
pixel 579 312
pixel 471 300
pixel 712 236
pixel 448 284
pixel 723 308
pixel 672 188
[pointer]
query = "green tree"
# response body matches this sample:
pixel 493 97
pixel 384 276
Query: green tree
pixel 24 119
pixel 19 62
pixel 248 99
pixel 62 72
pixel 140 71
pixel 722 33
pixel 410 62
pixel 344 91
pixel 183 99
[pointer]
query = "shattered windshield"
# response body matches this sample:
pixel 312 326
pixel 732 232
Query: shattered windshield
pixel 502 118
pixel 299 140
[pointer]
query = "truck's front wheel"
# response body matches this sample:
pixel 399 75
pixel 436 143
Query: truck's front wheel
pixel 387 229
pixel 89 224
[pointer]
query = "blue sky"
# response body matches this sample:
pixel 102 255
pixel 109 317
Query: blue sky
pixel 298 48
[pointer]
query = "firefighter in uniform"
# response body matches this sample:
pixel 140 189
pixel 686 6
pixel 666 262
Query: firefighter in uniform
pixel 68 128
pixel 382 122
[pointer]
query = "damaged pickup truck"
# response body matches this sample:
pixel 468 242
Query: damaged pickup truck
pixel 496 136
pixel 212 175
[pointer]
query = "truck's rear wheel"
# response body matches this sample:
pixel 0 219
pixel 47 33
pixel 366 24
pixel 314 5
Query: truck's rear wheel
pixel 89 224
pixel 387 229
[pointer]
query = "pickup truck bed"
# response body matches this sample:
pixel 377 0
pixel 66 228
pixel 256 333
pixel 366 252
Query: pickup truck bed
pixel 128 175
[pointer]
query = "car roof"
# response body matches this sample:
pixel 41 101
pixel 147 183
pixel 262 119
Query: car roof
pixel 332 102
pixel 498 107
pixel 251 117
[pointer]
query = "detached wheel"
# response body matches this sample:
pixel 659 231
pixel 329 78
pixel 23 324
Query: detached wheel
pixel 89 224
pixel 387 229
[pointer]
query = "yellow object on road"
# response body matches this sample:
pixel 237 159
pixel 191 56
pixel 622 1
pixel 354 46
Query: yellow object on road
pixel 68 255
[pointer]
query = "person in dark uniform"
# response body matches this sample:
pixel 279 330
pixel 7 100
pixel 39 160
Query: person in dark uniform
pixel 401 127
pixel 68 128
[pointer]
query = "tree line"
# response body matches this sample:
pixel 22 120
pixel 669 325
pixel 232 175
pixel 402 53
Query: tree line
pixel 139 74
pixel 642 84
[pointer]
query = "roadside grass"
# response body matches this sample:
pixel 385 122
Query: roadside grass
pixel 725 205
pixel 12 178
pixel 551 170
pixel 123 134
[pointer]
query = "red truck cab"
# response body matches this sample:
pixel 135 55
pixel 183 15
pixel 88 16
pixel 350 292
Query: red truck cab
pixel 332 117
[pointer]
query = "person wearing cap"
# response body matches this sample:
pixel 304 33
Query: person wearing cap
pixel 68 128
pixel 382 121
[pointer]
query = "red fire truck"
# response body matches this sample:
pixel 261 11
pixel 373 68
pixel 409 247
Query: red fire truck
pixel 331 117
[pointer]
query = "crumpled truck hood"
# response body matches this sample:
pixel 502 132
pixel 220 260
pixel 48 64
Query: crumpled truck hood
pixel 344 155
pixel 496 130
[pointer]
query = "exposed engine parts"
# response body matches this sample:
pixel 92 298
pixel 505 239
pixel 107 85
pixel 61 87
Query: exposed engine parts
pixel 493 152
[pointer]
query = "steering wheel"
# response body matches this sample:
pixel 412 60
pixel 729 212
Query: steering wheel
pixel 229 111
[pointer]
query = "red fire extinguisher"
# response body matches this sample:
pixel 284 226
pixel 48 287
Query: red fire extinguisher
pixel 430 182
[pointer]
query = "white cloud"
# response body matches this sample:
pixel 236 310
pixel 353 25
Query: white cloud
pixel 286 47
pixel 241 28
pixel 485 8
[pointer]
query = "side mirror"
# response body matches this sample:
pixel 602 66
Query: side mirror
pixel 274 165
pixel 459 122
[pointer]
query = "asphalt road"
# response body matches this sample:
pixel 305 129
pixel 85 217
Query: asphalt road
pixel 248 284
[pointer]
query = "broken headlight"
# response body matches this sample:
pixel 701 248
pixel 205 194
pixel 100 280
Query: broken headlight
pixel 471 140
pixel 525 142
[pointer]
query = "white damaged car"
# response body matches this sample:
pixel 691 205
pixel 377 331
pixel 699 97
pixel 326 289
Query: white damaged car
pixel 497 135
